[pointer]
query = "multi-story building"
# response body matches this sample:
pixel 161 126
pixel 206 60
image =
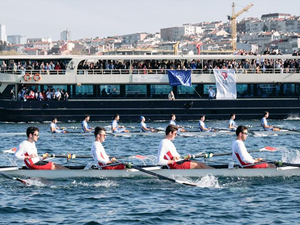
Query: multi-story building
pixel 3 36
pixel 16 39
pixel 65 35
pixel 133 38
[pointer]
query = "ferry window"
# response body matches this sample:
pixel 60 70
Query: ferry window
pixel 84 90
pixel 160 89
pixel 186 90
pixel 109 90
pixel 60 87
pixel 136 90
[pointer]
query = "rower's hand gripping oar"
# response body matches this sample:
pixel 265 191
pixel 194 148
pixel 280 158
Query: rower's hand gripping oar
pixel 13 178
pixel 161 176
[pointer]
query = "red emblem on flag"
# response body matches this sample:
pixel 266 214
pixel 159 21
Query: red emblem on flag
pixel 224 75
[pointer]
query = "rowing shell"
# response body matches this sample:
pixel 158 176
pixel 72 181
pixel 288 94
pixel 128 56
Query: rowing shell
pixel 273 133
pixel 96 173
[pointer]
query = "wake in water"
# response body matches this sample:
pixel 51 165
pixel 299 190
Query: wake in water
pixel 103 183
pixel 208 181
pixel 291 156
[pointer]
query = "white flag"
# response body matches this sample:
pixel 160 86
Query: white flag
pixel 226 84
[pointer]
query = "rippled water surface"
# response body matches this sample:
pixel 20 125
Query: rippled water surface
pixel 216 200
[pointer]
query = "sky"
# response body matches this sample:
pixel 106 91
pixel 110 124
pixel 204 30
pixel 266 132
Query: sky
pixel 102 18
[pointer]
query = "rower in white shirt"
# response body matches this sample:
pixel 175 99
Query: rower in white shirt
pixel 84 124
pixel 144 127
pixel 99 154
pixel 202 125
pixel 115 127
pixel 54 128
pixel 241 155
pixel 167 154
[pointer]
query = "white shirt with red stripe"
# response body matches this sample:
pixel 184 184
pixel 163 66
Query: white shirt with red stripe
pixel 27 148
pixel 99 153
pixel 240 153
pixel 166 151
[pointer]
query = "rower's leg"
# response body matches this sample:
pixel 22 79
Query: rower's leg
pixel 199 165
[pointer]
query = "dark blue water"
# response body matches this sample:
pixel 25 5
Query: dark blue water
pixel 150 200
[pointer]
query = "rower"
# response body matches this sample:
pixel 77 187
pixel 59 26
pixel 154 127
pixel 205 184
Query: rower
pixel 115 127
pixel 232 125
pixel 84 124
pixel 241 155
pixel 54 128
pixel 202 126
pixel 144 127
pixel 173 122
pixel 99 154
pixel 168 156
pixel 264 123
pixel 27 152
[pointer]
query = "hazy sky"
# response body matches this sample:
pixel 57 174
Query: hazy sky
pixel 102 18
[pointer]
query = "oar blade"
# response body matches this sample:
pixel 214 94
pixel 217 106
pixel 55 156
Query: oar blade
pixel 268 148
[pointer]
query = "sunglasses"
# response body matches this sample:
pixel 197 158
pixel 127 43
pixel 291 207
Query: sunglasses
pixel 246 133
pixel 37 135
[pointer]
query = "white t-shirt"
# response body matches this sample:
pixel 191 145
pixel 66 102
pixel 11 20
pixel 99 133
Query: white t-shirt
pixel 29 148
pixel 240 153
pixel 98 153
pixel 166 151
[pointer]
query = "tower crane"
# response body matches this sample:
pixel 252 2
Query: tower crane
pixel 232 18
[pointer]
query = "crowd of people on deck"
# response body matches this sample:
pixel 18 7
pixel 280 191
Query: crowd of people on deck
pixel 42 67
pixel 45 95
pixel 167 155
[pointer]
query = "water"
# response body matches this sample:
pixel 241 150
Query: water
pixel 150 200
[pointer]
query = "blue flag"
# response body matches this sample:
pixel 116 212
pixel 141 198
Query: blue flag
pixel 180 77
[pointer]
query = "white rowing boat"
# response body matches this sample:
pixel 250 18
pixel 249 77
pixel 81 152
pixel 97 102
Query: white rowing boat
pixel 221 171
pixel 273 133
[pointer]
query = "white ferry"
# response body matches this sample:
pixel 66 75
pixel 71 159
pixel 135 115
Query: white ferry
pixel 38 88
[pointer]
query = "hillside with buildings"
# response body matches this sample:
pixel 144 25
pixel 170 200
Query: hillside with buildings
pixel 274 33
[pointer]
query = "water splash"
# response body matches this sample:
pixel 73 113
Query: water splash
pixel 104 183
pixel 208 181
pixel 35 182
pixel 291 156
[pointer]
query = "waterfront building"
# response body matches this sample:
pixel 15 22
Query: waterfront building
pixel 3 36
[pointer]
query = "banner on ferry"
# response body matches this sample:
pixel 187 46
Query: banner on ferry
pixel 180 77
pixel 225 83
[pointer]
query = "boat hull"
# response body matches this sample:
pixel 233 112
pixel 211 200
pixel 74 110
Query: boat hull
pixel 95 173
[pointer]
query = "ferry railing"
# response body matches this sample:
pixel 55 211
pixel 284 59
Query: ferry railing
pixel 251 70
pixel 33 72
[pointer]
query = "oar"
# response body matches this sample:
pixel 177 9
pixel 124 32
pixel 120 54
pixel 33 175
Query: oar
pixel 12 150
pixel 161 176
pixel 293 130
pixel 13 178
pixel 209 155
pixel 74 156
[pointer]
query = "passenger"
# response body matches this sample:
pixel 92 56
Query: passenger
pixel 99 154
pixel 171 96
pixel 202 125
pixel 168 156
pixel 54 128
pixel 232 125
pixel 264 123
pixel 144 127
pixel 85 126
pixel 173 122
pixel 241 155
pixel 115 127
pixel 27 152
pixel 211 93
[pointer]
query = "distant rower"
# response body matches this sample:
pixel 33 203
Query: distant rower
pixel 115 127
pixel 202 126
pixel 54 128
pixel 232 125
pixel 85 126
pixel 144 127
pixel 173 122
pixel 264 123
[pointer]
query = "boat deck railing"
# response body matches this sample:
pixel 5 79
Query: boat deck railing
pixel 147 71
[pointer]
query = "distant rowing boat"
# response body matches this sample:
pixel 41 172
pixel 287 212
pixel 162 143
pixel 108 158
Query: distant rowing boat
pixel 270 133
pixel 222 170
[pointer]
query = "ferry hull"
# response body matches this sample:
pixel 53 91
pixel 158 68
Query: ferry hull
pixel 154 109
